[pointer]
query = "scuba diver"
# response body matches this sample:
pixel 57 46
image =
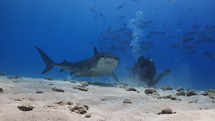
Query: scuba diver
pixel 144 71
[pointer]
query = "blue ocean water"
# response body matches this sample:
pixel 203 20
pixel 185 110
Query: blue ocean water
pixel 176 34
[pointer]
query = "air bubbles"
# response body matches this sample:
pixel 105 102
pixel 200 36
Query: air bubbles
pixel 134 24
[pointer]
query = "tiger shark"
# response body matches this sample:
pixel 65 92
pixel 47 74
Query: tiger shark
pixel 97 65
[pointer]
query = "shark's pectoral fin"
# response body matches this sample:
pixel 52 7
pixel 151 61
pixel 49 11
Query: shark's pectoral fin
pixel 95 51
pixel 114 76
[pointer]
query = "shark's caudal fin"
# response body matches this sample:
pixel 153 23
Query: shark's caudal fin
pixel 47 60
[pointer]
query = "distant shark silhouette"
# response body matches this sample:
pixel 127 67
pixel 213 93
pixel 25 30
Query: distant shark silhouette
pixel 97 65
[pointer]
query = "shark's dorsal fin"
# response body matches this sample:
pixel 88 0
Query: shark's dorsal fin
pixel 95 51
pixel 64 62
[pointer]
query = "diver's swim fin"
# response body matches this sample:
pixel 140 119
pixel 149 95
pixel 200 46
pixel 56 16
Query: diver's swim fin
pixel 158 77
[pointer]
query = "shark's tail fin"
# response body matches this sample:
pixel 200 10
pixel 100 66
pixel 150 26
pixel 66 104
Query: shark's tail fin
pixel 47 60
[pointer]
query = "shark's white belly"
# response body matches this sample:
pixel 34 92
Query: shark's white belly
pixel 104 66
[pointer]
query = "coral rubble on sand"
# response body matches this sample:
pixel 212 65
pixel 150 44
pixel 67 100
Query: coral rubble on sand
pixel 38 98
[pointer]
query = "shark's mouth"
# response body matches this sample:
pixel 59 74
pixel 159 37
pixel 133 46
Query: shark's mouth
pixel 109 61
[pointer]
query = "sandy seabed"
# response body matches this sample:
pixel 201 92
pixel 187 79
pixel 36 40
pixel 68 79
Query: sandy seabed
pixel 34 99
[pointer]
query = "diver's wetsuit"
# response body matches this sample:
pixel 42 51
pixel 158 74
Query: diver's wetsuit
pixel 144 70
